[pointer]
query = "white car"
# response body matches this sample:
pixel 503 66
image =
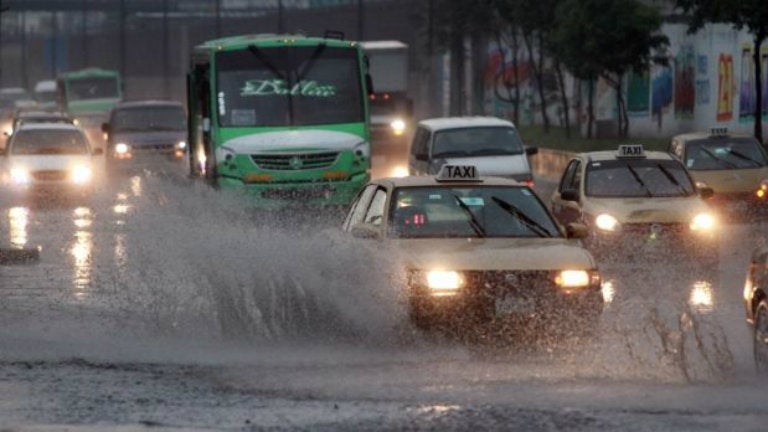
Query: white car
pixel 491 144
pixel 53 157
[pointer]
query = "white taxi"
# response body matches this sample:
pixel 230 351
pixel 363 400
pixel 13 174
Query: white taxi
pixel 637 204
pixel 54 157
pixel 480 250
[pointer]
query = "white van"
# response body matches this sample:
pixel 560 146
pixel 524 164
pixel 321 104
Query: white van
pixel 491 144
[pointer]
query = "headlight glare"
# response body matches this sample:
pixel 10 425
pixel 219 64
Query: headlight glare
pixel 20 175
pixel 181 145
pixel 573 278
pixel 121 148
pixel 444 280
pixel 606 222
pixel 703 222
pixel 398 126
pixel 81 174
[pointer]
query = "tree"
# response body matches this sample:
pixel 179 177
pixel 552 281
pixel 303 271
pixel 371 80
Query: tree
pixel 607 38
pixel 749 14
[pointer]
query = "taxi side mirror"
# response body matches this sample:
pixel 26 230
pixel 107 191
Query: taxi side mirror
pixel 366 231
pixel 576 230
pixel 569 195
pixel 530 151
pixel 706 192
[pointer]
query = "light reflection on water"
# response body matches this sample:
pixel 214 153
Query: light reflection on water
pixel 19 218
pixel 701 298
pixel 81 251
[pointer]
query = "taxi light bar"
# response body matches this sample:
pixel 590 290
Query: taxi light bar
pixel 458 173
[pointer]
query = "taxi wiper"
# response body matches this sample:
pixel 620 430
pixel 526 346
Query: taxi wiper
pixel 639 180
pixel 524 218
pixel 715 157
pixel 672 178
pixel 476 227
pixel 742 156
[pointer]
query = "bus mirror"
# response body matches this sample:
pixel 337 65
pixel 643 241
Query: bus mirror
pixel 369 84
pixel 206 124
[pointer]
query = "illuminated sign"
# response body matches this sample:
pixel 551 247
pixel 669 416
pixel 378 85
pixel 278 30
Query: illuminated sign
pixel 279 87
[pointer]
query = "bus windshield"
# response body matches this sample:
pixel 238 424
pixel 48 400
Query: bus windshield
pixel 92 88
pixel 289 86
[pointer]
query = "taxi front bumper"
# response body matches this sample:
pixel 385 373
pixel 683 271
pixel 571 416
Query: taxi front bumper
pixel 488 296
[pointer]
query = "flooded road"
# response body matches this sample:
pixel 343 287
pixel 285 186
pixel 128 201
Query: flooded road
pixel 162 304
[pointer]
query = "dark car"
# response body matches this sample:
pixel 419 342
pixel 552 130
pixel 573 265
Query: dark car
pixel 145 131
pixel 756 304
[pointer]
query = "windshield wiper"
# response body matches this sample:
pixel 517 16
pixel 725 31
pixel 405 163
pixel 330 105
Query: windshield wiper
pixel 531 224
pixel 714 156
pixel 639 180
pixel 311 62
pixel 742 156
pixel 476 227
pixel 259 54
pixel 672 178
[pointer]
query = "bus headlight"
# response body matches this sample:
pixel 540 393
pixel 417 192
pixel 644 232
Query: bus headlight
pixel 362 150
pixel 606 222
pixel 398 126
pixel 81 174
pixel 703 222
pixel 20 176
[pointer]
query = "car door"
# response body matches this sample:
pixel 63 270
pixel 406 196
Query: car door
pixel 568 211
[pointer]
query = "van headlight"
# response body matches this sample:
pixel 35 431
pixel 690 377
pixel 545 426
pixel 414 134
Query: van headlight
pixel 181 145
pixel 398 126
pixel 20 175
pixel 81 174
pixel 703 222
pixel 606 222
pixel 122 148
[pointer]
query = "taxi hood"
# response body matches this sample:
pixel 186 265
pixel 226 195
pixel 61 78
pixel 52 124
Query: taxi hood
pixel 49 162
pixel 495 254
pixel 732 181
pixel 642 210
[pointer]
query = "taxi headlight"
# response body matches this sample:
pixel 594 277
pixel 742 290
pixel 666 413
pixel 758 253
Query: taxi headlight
pixel 122 148
pixel 81 174
pixel 573 278
pixel 703 222
pixel 606 222
pixel 398 126
pixel 440 282
pixel 762 191
pixel 181 145
pixel 20 175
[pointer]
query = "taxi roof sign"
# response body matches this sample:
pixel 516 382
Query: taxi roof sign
pixel 458 173
pixel 631 151
pixel 718 131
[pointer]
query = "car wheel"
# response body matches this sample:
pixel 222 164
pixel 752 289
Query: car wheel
pixel 761 337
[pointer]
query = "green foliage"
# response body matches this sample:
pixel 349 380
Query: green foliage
pixel 456 18
pixel 749 14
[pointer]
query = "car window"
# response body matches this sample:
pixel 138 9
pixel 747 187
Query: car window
pixel 724 153
pixel 483 211
pixel 477 141
pixel 375 212
pixel 359 207
pixel 420 140
pixel 45 142
pixel 150 118
pixel 637 178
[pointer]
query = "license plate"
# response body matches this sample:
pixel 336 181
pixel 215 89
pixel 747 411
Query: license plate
pixel 514 305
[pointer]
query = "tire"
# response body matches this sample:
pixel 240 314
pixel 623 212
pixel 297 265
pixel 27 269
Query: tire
pixel 760 338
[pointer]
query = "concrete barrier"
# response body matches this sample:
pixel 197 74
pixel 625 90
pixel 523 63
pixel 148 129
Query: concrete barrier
pixel 550 164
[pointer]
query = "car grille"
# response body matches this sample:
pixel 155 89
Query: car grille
pixel 49 175
pixel 521 282
pixel 665 229
pixel 304 161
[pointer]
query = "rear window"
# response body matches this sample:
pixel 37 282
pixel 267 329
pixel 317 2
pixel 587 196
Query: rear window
pixel 149 118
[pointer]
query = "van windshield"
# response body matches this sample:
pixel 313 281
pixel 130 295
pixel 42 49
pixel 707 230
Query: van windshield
pixel 154 118
pixel 477 141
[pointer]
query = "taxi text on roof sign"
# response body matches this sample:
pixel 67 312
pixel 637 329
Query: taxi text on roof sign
pixel 718 131
pixel 458 173
pixel 631 150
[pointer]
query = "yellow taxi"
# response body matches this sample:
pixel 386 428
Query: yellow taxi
pixel 637 204
pixel 480 250
pixel 735 166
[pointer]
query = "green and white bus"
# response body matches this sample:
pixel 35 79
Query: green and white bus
pixel 283 118
pixel 87 95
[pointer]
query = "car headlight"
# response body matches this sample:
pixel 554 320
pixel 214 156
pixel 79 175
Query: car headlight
pixel 362 150
pixel 20 176
pixel 439 283
pixel 762 191
pixel 606 222
pixel 575 280
pixel 122 148
pixel 703 222
pixel 398 126
pixel 181 145
pixel 81 174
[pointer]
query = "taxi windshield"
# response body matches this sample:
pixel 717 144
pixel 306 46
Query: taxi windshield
pixel 724 153
pixel 49 142
pixel 628 178
pixel 477 141
pixel 478 211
